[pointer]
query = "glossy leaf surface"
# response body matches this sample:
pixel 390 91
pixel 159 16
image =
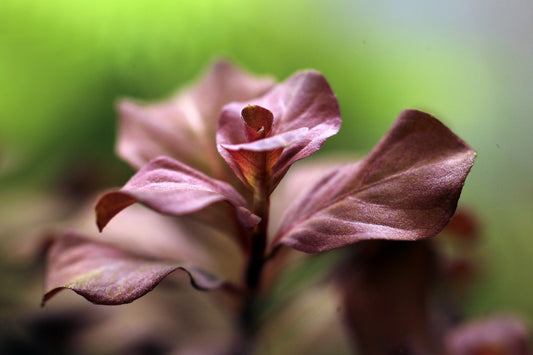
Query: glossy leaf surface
pixel 305 113
pixel 406 189
pixel 173 188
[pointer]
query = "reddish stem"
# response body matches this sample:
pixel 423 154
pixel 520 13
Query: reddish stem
pixel 256 260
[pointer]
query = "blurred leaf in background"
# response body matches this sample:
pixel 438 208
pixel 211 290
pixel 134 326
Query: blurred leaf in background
pixel 63 65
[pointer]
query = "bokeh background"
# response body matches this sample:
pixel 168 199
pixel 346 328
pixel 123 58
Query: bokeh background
pixel 63 65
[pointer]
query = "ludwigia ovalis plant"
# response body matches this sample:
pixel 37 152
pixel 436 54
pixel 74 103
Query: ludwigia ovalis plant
pixel 213 155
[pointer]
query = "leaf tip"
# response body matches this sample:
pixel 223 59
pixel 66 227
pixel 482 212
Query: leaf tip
pixel 109 205
pixel 51 293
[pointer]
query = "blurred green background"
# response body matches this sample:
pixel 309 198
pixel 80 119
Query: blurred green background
pixel 64 63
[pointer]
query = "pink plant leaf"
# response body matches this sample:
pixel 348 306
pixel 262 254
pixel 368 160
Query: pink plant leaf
pixel 406 189
pixel 305 113
pixel 184 127
pixel 170 238
pixel 495 335
pixel 107 275
pixel 303 174
pixel 172 188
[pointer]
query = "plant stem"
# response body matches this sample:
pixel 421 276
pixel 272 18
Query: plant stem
pixel 256 260
pixel 261 208
pixel 257 251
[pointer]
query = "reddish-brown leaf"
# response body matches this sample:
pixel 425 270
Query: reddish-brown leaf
pixel 406 189
pixel 173 188
pixel 184 127
pixel 305 113
pixel 104 274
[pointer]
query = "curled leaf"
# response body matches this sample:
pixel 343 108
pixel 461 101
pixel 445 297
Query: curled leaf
pixel 107 275
pixel 173 188
pixel 143 231
pixel 305 112
pixel 406 189
pixel 184 127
